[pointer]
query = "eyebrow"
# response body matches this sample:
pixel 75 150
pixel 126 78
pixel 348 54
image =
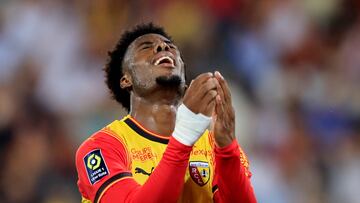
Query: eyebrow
pixel 149 43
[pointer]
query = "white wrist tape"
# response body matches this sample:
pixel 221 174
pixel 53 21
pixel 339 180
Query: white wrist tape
pixel 189 126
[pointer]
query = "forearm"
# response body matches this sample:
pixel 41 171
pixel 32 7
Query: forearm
pixel 164 184
pixel 231 181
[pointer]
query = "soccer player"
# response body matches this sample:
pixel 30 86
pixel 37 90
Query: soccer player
pixel 163 151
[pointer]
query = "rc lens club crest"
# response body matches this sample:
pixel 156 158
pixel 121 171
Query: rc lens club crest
pixel 199 172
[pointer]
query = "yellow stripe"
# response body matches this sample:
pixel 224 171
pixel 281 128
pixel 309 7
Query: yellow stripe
pixel 84 200
pixel 113 134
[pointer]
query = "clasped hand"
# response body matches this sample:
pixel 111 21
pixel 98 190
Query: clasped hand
pixel 209 94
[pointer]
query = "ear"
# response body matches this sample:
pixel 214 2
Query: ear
pixel 125 82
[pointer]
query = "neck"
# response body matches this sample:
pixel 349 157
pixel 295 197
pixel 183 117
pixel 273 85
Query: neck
pixel 156 115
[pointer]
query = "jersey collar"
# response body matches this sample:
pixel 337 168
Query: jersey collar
pixel 138 128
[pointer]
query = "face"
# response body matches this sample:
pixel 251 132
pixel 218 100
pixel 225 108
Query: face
pixel 149 59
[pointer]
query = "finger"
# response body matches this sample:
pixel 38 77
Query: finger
pixel 192 81
pixel 224 86
pixel 219 109
pixel 187 87
pixel 209 111
pixel 195 85
pixel 199 80
pixel 203 78
pixel 209 97
pixel 220 80
pixel 227 103
pixel 208 103
pixel 211 84
pixel 220 92
pixel 225 106
pixel 212 125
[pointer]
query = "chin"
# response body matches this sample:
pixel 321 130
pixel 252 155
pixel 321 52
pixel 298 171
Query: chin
pixel 170 80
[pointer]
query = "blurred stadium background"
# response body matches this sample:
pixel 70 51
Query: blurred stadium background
pixel 293 66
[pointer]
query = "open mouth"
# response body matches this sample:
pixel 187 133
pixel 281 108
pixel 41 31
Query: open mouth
pixel 164 60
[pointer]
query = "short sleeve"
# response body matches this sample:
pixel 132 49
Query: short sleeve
pixel 100 160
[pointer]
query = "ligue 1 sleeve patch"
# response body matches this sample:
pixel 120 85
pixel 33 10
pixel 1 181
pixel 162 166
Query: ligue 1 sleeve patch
pixel 95 166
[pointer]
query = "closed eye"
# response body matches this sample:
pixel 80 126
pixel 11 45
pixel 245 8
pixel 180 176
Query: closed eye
pixel 145 47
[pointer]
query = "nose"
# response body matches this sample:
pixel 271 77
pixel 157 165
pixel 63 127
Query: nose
pixel 161 46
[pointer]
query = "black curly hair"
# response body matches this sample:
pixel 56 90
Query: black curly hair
pixel 114 69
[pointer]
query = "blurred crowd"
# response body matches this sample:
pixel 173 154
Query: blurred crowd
pixel 293 67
